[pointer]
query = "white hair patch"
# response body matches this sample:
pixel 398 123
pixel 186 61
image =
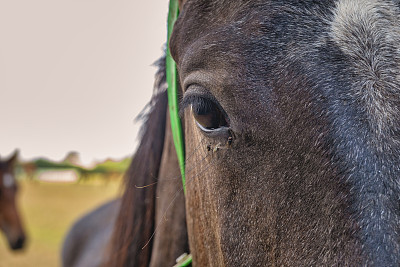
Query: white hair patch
pixel 8 180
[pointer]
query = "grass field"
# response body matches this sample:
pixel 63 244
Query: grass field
pixel 48 210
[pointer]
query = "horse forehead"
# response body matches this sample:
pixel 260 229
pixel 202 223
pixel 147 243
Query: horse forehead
pixel 219 31
pixel 346 22
pixel 368 33
pixel 7 180
pixel 201 17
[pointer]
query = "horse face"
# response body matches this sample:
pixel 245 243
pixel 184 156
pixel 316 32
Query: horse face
pixel 292 131
pixel 10 222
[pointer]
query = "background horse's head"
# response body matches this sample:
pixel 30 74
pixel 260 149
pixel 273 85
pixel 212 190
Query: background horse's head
pixel 292 130
pixel 10 221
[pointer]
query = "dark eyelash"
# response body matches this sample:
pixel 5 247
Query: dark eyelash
pixel 199 103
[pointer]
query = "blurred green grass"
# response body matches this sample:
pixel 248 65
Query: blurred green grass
pixel 48 210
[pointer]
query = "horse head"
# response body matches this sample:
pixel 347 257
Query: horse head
pixel 291 119
pixel 10 222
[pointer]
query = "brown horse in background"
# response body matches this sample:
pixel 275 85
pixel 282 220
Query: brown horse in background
pixel 10 220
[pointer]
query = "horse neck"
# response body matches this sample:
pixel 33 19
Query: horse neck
pixel 170 240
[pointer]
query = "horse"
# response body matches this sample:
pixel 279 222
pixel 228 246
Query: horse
pixel 291 118
pixel 10 220
pixel 87 240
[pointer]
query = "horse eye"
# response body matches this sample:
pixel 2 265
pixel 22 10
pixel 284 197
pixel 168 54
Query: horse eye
pixel 207 114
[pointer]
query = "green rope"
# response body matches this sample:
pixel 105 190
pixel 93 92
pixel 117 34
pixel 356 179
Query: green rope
pixel 176 125
pixel 184 260
pixel 187 261
pixel 172 81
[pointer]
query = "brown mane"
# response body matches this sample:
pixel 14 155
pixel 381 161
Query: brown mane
pixel 135 222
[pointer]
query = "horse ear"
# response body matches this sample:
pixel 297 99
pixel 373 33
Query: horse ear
pixel 13 159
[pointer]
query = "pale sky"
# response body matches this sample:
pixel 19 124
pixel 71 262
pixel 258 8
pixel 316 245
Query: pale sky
pixel 75 73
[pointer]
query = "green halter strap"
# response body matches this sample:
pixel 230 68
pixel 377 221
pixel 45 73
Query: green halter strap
pixel 173 94
pixel 172 80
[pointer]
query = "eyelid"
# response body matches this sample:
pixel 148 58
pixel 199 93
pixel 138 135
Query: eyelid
pixel 199 79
